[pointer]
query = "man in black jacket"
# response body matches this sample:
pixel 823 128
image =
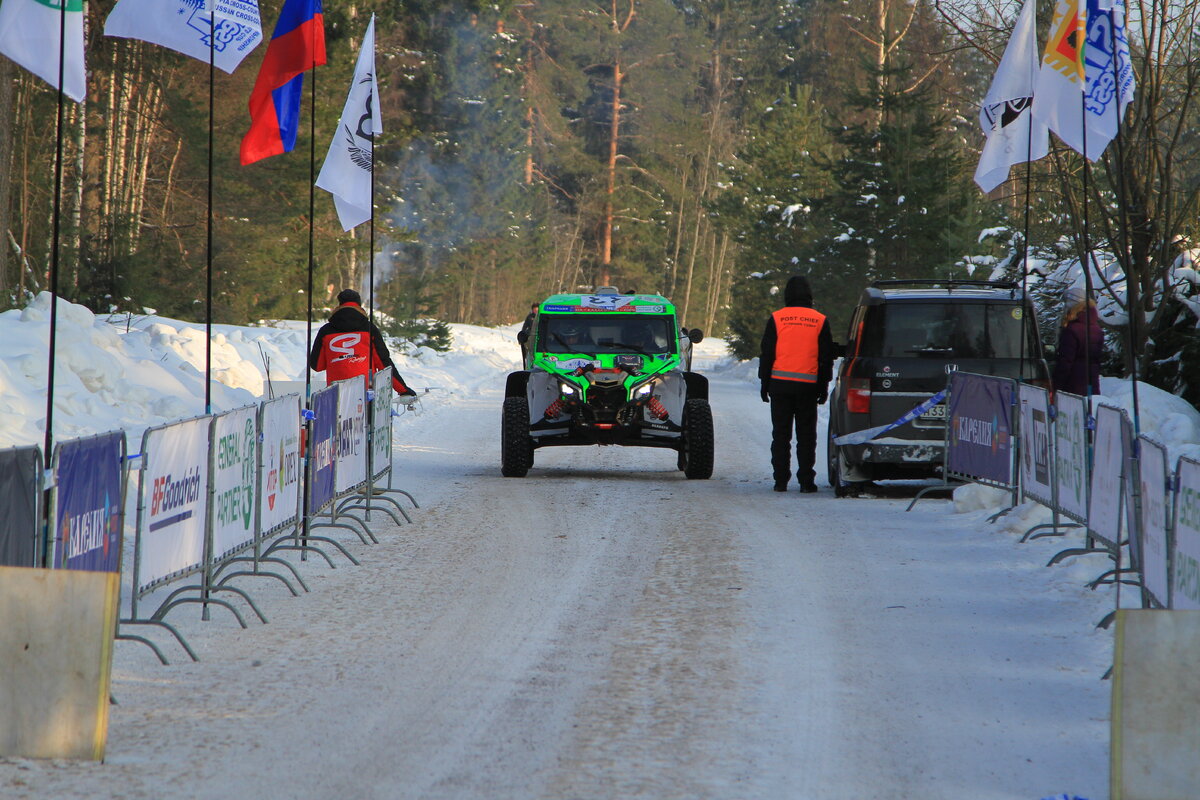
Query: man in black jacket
pixel 350 345
pixel 795 366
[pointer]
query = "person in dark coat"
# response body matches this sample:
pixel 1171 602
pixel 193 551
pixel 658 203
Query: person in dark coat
pixel 349 345
pixel 794 367
pixel 1080 345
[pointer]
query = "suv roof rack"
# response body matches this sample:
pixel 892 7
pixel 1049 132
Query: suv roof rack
pixel 948 283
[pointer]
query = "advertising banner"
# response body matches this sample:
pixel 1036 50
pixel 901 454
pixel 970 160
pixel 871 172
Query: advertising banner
pixel 89 508
pixel 381 422
pixel 173 495
pixel 278 499
pixel 321 457
pixel 1036 475
pixel 1110 466
pixel 1153 476
pixel 1070 455
pixel 1185 586
pixel 351 434
pixel 20 497
pixel 235 484
pixel 979 441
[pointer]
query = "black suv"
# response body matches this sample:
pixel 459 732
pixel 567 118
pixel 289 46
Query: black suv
pixel 905 338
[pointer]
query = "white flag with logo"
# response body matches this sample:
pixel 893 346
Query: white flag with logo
pixel 1085 81
pixel 349 166
pixel 185 26
pixel 30 34
pixel 1110 82
pixel 1013 136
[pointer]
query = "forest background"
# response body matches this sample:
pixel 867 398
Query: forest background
pixel 705 150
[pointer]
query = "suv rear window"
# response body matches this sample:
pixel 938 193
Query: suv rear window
pixel 943 330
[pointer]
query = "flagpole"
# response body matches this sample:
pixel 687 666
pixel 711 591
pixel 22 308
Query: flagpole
pixel 1123 228
pixel 56 222
pixel 208 260
pixel 1025 255
pixel 312 204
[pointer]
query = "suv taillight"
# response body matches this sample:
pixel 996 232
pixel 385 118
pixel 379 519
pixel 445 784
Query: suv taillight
pixel 858 395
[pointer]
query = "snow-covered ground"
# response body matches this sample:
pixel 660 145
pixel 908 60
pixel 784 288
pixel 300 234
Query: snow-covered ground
pixel 602 628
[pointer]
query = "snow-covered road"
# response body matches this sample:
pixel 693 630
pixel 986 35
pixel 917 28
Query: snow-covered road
pixel 605 628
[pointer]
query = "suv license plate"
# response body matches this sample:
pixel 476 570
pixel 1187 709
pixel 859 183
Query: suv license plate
pixel 938 412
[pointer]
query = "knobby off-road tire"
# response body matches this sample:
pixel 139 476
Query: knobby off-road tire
pixel 516 445
pixel 696 455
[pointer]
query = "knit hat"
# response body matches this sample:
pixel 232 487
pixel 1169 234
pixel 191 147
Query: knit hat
pixel 349 296
pixel 1074 296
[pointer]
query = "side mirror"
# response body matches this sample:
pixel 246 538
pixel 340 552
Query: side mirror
pixel 523 337
pixel 695 336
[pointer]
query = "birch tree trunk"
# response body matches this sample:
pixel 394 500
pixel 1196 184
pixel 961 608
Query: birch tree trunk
pixel 8 126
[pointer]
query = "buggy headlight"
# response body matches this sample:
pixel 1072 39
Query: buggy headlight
pixel 568 390
pixel 644 390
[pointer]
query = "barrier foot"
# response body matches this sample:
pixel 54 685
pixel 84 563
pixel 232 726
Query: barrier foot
pixel 363 523
pixel 171 628
pixel 1002 512
pixel 1054 530
pixel 302 547
pixel 350 528
pixel 1073 551
pixel 939 488
pixel 240 593
pixel 381 496
pixel 264 573
pixel 287 564
pixel 336 544
pixel 348 509
pixel 383 492
pixel 129 637
pixel 1110 576
pixel 206 601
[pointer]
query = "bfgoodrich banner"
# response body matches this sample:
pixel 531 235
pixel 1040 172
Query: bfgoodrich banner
pixel 174 500
pixel 89 503
pixel 980 437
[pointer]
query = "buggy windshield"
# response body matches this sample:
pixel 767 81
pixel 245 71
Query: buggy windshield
pixel 593 333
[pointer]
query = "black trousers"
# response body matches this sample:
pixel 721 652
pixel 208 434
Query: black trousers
pixel 795 408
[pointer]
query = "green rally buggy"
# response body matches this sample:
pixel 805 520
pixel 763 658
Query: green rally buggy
pixel 606 369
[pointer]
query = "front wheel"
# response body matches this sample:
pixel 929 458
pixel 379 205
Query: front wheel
pixel 696 453
pixel 516 445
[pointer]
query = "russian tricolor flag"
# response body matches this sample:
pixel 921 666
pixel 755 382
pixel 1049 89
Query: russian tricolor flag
pixel 298 44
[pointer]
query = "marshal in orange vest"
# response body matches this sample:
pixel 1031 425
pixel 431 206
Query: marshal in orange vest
pixel 796 351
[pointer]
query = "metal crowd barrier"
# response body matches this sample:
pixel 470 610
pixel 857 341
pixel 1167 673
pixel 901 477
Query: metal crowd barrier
pixel 1116 488
pixel 981 441
pixel 217 497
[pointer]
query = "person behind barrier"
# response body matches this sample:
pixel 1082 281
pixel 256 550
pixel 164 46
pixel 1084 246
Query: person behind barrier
pixel 794 367
pixel 349 344
pixel 1080 345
